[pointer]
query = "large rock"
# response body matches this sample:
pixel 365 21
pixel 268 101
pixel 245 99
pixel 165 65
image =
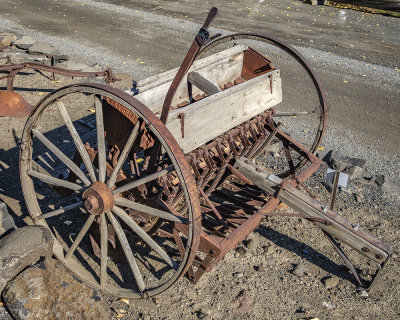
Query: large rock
pixel 41 47
pixel 354 167
pixel 22 248
pixel 51 292
pixel 24 42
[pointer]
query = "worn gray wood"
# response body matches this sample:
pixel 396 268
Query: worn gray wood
pixel 77 140
pixel 303 203
pixel 60 211
pixel 101 144
pixel 212 116
pixel 60 155
pixel 55 166
pixel 146 209
pixel 202 83
pixel 146 179
pixel 54 181
pixel 124 154
pixel 142 234
pixel 128 251
pixel 219 68
pixel 80 236
pixel 103 250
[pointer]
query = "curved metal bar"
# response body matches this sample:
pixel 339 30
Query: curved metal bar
pixel 14 69
pixel 199 40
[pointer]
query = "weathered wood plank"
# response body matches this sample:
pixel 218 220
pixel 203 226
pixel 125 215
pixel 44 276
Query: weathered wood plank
pixel 219 68
pixel 203 83
pixel 303 203
pixel 215 115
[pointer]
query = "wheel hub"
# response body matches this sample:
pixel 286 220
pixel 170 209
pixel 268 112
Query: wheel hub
pixel 98 198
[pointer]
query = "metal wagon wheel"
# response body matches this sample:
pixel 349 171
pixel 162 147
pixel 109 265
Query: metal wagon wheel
pixel 138 261
pixel 319 112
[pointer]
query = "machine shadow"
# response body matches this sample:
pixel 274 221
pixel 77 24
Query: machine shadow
pixel 306 252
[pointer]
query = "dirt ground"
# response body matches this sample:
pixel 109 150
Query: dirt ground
pixel 284 273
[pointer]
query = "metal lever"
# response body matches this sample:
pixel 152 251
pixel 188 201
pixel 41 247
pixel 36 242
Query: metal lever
pixel 202 37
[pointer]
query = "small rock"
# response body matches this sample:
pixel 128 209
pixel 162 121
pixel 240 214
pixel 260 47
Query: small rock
pixel 359 197
pixel 262 268
pixel 317 2
pixel 24 43
pixel 10 36
pixel 300 270
pixel 61 58
pixel 238 275
pixel 328 305
pixel 41 293
pixel 241 250
pixel 93 68
pixel 251 244
pixel 202 315
pixel 244 301
pixel 380 180
pixel 274 149
pixel 269 250
pixel 352 166
pixel 363 293
pixel 41 47
pixel 72 65
pixel 4 43
pixel 331 282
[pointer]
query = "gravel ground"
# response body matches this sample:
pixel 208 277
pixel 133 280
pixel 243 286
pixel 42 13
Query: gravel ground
pixel 267 281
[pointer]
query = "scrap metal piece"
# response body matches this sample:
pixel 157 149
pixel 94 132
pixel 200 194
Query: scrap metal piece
pixel 13 105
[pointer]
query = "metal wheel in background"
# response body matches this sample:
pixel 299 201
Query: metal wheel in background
pixel 98 189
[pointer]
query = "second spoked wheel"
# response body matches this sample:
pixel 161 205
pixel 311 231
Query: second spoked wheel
pixel 106 177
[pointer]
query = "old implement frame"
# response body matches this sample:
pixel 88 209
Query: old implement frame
pixel 151 193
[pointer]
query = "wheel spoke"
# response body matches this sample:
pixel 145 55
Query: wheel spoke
pixel 142 234
pixel 59 211
pixel 127 250
pixel 101 145
pixel 103 252
pixel 60 155
pixel 80 236
pixel 77 140
pixel 146 209
pixel 143 180
pixel 124 154
pixel 54 181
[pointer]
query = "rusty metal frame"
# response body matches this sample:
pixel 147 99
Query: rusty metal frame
pixel 14 69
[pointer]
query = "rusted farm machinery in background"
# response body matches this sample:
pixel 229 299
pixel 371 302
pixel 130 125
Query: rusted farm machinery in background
pixel 163 184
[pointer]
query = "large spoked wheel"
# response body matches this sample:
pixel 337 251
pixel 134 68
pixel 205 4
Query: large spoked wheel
pixel 304 119
pixel 106 177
